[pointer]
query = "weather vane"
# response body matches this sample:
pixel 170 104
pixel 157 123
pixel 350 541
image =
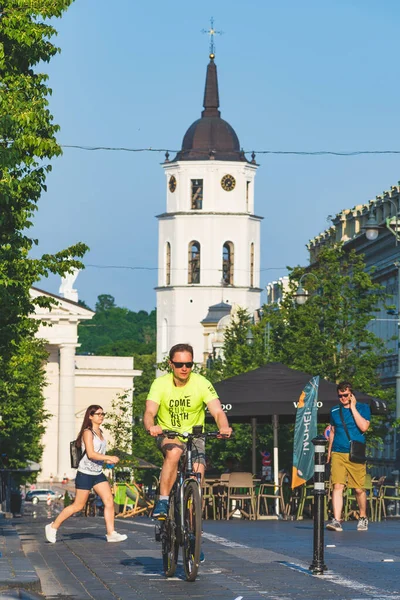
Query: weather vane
pixel 212 32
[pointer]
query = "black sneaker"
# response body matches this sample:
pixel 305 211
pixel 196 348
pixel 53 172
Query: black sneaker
pixel 160 510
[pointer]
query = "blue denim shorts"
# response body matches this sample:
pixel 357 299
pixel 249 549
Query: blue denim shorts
pixel 87 482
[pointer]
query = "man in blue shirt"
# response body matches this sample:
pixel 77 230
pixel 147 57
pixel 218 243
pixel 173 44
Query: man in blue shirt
pixel 343 472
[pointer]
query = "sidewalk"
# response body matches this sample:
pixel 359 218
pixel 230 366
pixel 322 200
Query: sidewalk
pixel 16 570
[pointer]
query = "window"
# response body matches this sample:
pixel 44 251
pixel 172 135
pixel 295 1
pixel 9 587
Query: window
pixel 197 194
pixel 194 262
pixel 247 195
pixel 168 264
pixel 252 264
pixel 227 263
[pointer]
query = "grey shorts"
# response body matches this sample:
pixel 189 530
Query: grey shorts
pixel 198 452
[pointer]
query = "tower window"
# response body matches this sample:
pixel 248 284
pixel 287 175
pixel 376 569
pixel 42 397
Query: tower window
pixel 252 264
pixel 196 194
pixel 194 262
pixel 247 195
pixel 227 263
pixel 168 264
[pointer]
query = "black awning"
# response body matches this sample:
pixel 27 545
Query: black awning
pixel 274 389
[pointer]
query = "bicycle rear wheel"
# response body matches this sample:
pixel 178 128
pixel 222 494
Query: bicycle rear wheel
pixel 192 531
pixel 169 539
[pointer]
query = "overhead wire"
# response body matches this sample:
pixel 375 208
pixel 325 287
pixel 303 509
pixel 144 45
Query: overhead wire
pixel 206 152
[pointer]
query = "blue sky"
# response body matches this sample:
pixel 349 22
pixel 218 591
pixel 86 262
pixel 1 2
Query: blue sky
pixel 303 76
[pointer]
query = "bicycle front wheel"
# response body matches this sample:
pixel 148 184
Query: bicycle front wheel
pixel 170 542
pixel 192 531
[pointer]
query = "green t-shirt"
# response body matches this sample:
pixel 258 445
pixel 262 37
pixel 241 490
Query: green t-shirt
pixel 181 408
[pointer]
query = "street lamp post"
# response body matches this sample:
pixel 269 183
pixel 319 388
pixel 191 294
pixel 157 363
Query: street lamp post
pixel 301 293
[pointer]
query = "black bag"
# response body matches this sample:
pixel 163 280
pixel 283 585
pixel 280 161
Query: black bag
pixel 357 449
pixel 76 454
pixel 357 452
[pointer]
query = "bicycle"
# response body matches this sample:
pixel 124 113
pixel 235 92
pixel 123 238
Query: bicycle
pixel 183 524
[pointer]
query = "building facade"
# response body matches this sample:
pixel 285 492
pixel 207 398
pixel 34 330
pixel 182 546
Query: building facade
pixel 209 235
pixel 73 382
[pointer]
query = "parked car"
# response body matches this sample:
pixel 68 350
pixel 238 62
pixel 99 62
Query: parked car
pixel 36 496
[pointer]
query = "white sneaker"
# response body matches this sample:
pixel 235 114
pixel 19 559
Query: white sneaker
pixel 362 524
pixel 51 533
pixel 116 537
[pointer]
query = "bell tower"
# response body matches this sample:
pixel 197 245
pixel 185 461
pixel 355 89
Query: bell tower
pixel 209 236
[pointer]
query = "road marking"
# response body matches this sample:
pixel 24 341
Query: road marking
pixel 369 590
pixel 223 541
pixel 239 598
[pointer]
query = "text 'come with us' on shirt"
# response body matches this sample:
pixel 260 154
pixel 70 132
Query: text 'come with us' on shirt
pixel 181 408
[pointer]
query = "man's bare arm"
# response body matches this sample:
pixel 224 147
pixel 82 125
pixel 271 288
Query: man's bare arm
pixel 215 408
pixel 149 416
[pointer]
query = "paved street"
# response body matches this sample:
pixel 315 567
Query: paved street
pixel 244 560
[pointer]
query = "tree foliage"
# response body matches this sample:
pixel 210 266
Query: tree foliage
pixel 116 331
pixel 328 336
pixel 27 143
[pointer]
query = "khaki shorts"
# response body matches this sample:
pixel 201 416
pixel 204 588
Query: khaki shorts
pixel 346 472
pixel 198 451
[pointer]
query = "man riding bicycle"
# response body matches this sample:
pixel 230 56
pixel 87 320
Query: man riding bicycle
pixel 178 400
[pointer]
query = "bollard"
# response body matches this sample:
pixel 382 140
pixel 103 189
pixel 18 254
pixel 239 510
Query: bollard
pixel 318 566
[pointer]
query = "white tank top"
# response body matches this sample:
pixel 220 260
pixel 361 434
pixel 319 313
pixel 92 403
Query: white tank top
pixel 93 467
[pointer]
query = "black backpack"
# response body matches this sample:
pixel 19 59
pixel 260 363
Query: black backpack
pixel 76 454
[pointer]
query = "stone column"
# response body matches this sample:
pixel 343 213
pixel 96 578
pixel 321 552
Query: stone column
pixel 66 411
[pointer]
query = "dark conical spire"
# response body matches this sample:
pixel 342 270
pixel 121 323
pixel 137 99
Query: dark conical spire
pixel 211 97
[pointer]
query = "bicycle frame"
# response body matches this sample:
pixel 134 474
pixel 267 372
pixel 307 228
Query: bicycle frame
pixel 187 488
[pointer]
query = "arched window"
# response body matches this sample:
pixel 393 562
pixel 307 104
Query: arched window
pixel 168 264
pixel 252 264
pixel 227 263
pixel 194 262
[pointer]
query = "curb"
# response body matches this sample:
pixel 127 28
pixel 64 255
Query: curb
pixel 16 571
pixel 18 593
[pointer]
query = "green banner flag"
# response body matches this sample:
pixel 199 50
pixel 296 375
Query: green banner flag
pixel 305 430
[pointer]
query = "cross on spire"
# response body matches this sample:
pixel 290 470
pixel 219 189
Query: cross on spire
pixel 212 32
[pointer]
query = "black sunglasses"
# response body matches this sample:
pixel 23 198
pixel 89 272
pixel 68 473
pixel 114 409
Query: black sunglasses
pixel 179 365
pixel 100 414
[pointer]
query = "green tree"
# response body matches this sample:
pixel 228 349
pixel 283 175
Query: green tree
pixel 119 422
pixel 327 336
pixel 117 331
pixel 27 143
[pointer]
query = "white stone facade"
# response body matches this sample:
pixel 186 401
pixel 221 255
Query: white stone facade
pixel 73 382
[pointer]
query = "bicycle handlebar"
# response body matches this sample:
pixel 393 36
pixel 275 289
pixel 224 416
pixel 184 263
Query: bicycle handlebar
pixel 187 435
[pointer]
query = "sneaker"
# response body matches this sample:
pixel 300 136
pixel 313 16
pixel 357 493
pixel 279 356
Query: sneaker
pixel 334 525
pixel 202 557
pixel 160 510
pixel 116 537
pixel 362 524
pixel 51 533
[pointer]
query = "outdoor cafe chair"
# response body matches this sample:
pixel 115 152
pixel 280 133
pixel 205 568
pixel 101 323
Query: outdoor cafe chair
pixel 266 497
pixel 241 493
pixel 388 493
pixel 208 499
pixel 135 501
